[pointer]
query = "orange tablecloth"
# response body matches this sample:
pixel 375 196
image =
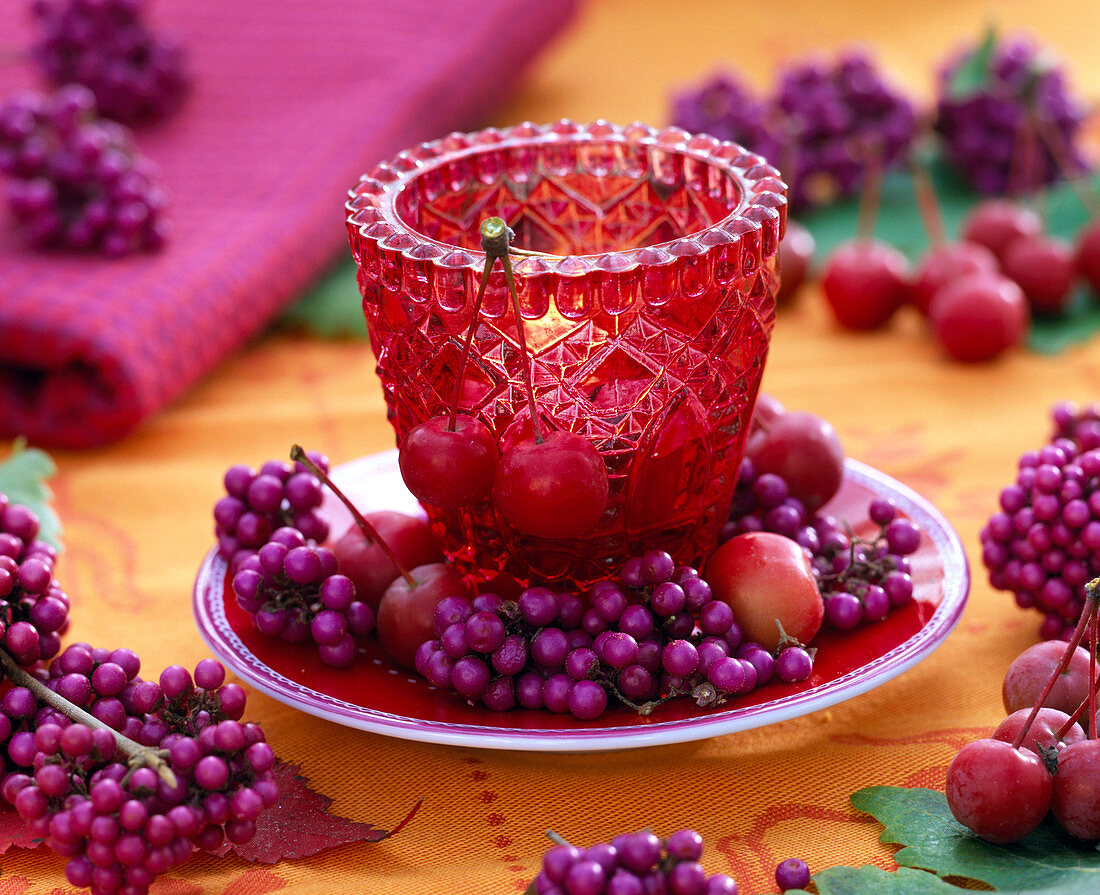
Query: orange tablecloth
pixel 137 523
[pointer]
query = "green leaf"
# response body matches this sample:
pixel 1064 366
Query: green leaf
pixel 899 223
pixel 972 76
pixel 869 880
pixel 1046 860
pixel 333 309
pixel 23 479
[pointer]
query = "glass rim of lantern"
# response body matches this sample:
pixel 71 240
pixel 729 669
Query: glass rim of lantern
pixel 374 212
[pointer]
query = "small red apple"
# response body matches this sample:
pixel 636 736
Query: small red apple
pixel 804 450
pixel 367 565
pixel 796 254
pixel 1029 672
pixel 766 578
pixel 406 614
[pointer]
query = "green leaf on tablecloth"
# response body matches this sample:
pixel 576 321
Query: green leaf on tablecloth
pixel 1046 860
pixel 869 880
pixel 899 223
pixel 23 478
pixel 333 309
pixel 972 76
pixel 1055 334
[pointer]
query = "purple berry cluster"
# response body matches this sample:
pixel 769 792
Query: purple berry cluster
pixel 652 635
pixel 293 591
pixel 631 864
pixel 860 579
pixel 107 46
pixel 119 821
pixel 823 124
pixel 280 494
pixel 76 182
pixel 988 127
pixel 34 610
pixel 1043 544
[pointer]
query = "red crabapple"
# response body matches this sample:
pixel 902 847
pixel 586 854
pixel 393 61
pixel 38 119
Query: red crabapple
pixel 805 451
pixel 1029 672
pixel 994 223
pixel 1076 798
pixel 980 316
pixel 553 488
pixel 1044 267
pixel 796 253
pixel 365 562
pixel 865 281
pixel 944 264
pixel 999 793
pixel 406 613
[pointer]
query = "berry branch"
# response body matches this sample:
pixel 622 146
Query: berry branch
pixel 138 756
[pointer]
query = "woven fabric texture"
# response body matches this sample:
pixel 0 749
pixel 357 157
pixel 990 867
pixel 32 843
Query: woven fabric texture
pixel 292 100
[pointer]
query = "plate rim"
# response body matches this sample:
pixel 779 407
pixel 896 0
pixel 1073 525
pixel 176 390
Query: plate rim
pixel 231 651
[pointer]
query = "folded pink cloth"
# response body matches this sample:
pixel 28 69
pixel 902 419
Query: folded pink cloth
pixel 291 101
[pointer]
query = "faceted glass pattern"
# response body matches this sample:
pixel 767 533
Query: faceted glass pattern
pixel 648 319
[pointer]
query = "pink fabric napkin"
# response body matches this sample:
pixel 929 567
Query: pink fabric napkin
pixel 292 100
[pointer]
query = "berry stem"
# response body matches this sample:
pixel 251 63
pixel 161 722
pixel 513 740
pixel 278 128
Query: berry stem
pixel 1092 596
pixel 137 754
pixel 556 838
pixel 369 531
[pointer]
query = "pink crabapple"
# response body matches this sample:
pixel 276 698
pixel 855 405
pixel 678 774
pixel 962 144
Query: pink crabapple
pixel 406 614
pixel 365 562
pixel 995 223
pixel 1029 672
pixel 979 316
pixel 768 581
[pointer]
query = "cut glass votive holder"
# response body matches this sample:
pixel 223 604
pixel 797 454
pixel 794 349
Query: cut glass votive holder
pixel 647 315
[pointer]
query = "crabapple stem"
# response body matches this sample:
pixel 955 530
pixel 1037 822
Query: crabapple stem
pixel 871 197
pixel 1023 175
pixel 495 236
pixel 371 533
pixel 1078 712
pixel 927 203
pixel 1092 597
pixel 525 357
pixel 1073 172
pixel 137 754
pixel 1092 677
